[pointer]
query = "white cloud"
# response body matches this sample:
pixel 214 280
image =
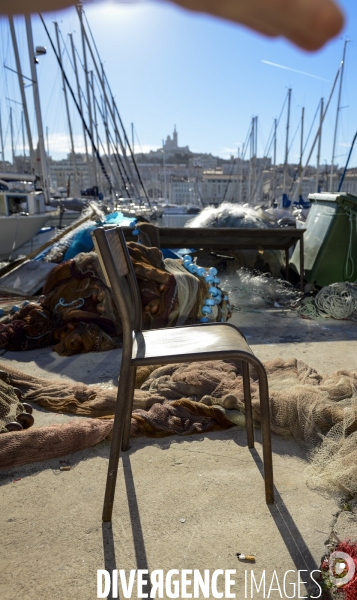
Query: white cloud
pixel 227 152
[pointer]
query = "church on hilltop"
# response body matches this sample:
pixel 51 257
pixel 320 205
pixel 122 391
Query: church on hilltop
pixel 171 147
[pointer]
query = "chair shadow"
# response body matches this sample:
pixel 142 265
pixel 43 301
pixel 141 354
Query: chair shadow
pixel 109 552
pixel 137 530
pixel 290 534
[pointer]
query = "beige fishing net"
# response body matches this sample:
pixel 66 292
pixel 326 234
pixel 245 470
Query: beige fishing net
pixel 318 410
pixel 10 406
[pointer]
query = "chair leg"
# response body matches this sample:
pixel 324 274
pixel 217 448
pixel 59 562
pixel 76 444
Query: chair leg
pixel 129 409
pixel 266 435
pixel 120 411
pixel 248 405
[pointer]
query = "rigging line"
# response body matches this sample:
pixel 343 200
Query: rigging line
pixel 91 34
pixel 268 144
pixel 18 136
pixel 312 124
pixel 282 109
pixel 111 168
pixel 105 81
pixel 65 49
pixel 277 122
pixel 259 179
pixel 77 105
pixel 296 172
pixel 79 57
pixel 13 70
pixel 83 97
pixel 102 78
pixel 245 145
pixel 319 129
pixel 129 146
pixel 116 156
pixel 346 165
pixel 229 181
pixel 137 139
pixel 294 136
pixel 115 147
pixel 128 183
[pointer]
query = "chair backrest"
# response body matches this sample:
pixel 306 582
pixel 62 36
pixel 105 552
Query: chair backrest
pixel 119 274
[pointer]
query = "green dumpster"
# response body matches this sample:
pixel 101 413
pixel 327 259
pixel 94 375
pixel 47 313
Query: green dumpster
pixel 330 240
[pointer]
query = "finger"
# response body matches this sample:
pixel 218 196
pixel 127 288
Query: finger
pixel 307 23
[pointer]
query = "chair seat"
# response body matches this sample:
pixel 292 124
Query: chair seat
pixel 189 343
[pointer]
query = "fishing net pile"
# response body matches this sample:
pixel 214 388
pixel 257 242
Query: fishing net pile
pixel 14 416
pixel 45 443
pixel 77 312
pixel 254 289
pixel 319 411
pixel 230 214
pixel 243 217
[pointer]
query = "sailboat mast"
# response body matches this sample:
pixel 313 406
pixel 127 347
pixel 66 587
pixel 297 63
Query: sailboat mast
pixel 301 146
pixel 22 92
pixel 242 154
pixel 36 97
pixel 251 138
pixel 255 145
pixel 112 111
pixel 287 144
pixel 89 104
pixel 12 139
pixel 2 145
pixel 302 135
pixel 67 109
pixel 318 132
pixel 163 156
pixel 337 114
pixel 95 124
pixel 23 135
pixel 105 113
pixel 319 145
pixel 79 99
pixel 274 159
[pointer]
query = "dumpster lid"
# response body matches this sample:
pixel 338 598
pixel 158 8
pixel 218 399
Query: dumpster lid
pixel 341 198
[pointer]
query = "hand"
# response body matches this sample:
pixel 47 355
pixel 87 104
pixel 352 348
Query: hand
pixel 307 23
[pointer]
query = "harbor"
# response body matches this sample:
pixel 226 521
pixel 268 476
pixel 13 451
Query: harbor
pixel 178 332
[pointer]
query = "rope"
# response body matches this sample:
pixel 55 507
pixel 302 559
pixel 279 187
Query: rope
pixel 308 309
pixel 338 300
pixel 352 216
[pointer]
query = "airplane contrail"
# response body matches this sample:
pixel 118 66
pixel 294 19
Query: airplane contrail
pixel 267 62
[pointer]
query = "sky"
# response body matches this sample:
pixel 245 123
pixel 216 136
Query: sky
pixel 167 66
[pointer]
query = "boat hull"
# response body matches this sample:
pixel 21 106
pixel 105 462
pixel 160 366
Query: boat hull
pixel 16 230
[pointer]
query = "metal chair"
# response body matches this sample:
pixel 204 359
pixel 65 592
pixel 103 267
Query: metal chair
pixel 189 343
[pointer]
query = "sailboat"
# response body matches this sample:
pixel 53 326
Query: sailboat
pixel 22 209
pixel 22 214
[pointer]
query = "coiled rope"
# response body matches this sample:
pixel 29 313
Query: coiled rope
pixel 338 300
